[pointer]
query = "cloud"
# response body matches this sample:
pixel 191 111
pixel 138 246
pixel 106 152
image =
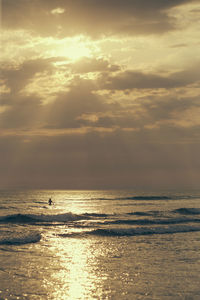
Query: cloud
pixel 151 112
pixel 17 77
pixel 90 17
pixel 182 45
pixel 88 65
pixel 19 109
pixel 81 104
pixel 130 79
pixel 67 109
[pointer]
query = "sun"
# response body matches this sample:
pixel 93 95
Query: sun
pixel 72 48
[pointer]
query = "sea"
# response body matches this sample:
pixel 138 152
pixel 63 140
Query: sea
pixel 113 244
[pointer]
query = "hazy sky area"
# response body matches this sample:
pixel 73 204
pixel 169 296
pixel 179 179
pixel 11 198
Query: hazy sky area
pixel 100 94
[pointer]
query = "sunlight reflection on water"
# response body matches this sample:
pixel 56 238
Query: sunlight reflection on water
pixel 76 277
pixel 74 266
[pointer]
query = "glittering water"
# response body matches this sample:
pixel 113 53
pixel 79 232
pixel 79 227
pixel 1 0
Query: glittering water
pixel 99 245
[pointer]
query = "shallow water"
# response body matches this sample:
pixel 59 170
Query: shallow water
pixel 99 245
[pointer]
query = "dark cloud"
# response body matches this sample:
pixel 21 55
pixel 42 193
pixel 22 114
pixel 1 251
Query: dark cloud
pixel 20 110
pixel 91 17
pixel 67 109
pixel 137 80
pixel 17 77
pixel 168 108
pixel 79 104
pixel 149 112
pixel 179 45
pixel 130 79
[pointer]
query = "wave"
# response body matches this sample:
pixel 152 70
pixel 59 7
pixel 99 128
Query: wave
pixel 20 238
pixel 187 211
pixel 151 197
pixel 96 215
pixel 152 217
pixel 142 214
pixel 153 222
pixel 143 231
pixel 154 213
pixel 148 197
pixel 32 218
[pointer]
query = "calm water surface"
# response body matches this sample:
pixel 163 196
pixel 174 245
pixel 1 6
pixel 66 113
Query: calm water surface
pixel 99 245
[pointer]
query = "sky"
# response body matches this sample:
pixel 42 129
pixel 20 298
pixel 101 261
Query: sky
pixel 100 94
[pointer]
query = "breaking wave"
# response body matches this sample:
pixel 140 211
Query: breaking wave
pixel 20 238
pixel 141 213
pixel 187 211
pixel 143 231
pixel 32 218
pixel 153 222
pixel 151 217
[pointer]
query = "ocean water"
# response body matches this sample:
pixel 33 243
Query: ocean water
pixel 99 245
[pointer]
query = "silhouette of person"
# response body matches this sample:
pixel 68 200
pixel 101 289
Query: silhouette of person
pixel 50 201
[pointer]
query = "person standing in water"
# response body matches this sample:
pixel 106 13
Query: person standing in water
pixel 50 201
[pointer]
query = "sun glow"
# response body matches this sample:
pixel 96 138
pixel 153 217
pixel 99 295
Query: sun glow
pixel 72 48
